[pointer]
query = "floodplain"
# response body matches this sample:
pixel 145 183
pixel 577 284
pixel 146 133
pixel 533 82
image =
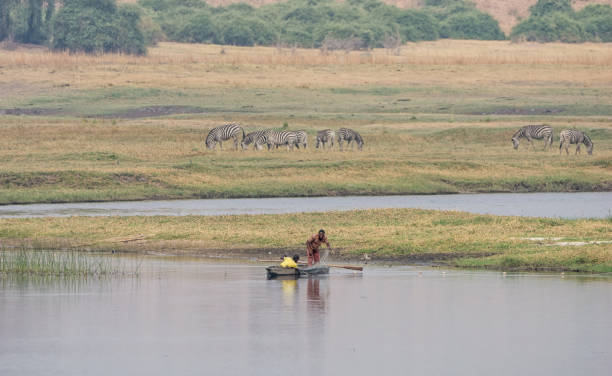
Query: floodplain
pixel 437 117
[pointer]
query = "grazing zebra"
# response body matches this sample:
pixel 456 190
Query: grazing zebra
pixel 537 132
pixel 251 138
pixel 223 133
pixel 349 135
pixel 301 139
pixel 276 138
pixel 324 136
pixel 571 136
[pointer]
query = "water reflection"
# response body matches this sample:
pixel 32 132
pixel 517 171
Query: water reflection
pixel 289 287
pixel 316 302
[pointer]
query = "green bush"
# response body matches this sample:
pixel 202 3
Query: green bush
pixel 555 27
pixel 131 38
pixel 546 7
pixel 151 29
pixel 597 22
pixel 460 19
pixel 554 20
pixel 241 30
pixel 472 25
pixel 194 26
pixel 415 25
pixel 96 26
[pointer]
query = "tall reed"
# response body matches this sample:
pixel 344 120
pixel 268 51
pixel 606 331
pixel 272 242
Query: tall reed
pixel 58 263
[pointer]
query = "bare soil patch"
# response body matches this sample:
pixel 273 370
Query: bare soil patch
pixel 155 111
pixel 33 111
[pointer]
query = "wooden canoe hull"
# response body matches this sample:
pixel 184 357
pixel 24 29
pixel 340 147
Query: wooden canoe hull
pixel 280 272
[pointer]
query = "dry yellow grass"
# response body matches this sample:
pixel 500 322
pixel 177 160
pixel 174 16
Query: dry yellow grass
pixel 501 67
pixel 431 87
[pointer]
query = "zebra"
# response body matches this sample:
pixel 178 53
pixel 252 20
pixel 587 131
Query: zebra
pixel 251 138
pixel 572 136
pixel 276 138
pixel 324 136
pixel 223 133
pixel 349 135
pixel 301 139
pixel 537 132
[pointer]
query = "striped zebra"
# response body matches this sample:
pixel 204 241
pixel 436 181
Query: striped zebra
pixel 531 132
pixel 572 136
pixel 251 138
pixel 325 136
pixel 349 135
pixel 301 139
pixel 276 138
pixel 223 133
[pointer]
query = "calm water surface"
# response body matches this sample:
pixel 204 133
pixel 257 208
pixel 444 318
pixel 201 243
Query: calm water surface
pixel 195 318
pixel 564 205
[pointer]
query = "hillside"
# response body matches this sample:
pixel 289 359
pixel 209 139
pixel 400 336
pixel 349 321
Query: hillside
pixel 507 13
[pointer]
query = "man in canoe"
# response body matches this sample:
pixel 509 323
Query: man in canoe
pixel 312 247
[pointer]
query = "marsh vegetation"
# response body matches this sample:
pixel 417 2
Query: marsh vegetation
pixel 23 261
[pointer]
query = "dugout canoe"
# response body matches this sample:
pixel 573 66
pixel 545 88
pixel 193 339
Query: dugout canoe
pixel 276 271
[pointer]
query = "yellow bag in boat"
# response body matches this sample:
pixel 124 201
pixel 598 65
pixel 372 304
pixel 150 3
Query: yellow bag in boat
pixel 288 263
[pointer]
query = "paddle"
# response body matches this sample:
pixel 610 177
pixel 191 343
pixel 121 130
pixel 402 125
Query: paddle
pixel 360 268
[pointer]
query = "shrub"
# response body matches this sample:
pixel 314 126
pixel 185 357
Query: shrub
pixel 546 7
pixel 96 26
pixel 550 28
pixel 415 25
pixel 597 22
pixel 472 25
pixel 462 20
pixel 196 27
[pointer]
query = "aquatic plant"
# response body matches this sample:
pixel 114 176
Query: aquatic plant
pixel 59 263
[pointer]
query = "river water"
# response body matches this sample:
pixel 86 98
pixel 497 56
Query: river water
pixel 563 205
pixel 190 317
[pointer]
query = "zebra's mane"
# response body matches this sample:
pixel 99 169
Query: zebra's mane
pixel 209 137
pixel 587 140
pixel 518 133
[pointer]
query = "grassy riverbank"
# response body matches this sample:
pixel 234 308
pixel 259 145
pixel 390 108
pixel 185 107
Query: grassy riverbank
pixel 402 235
pixel 436 119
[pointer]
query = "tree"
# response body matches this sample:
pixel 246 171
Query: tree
pixel 96 26
pixel 6 6
pixel 35 31
pixel 597 22
pixel 544 7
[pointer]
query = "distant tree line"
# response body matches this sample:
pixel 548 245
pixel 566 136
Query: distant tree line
pixel 95 26
pixel 312 23
pixel 556 21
